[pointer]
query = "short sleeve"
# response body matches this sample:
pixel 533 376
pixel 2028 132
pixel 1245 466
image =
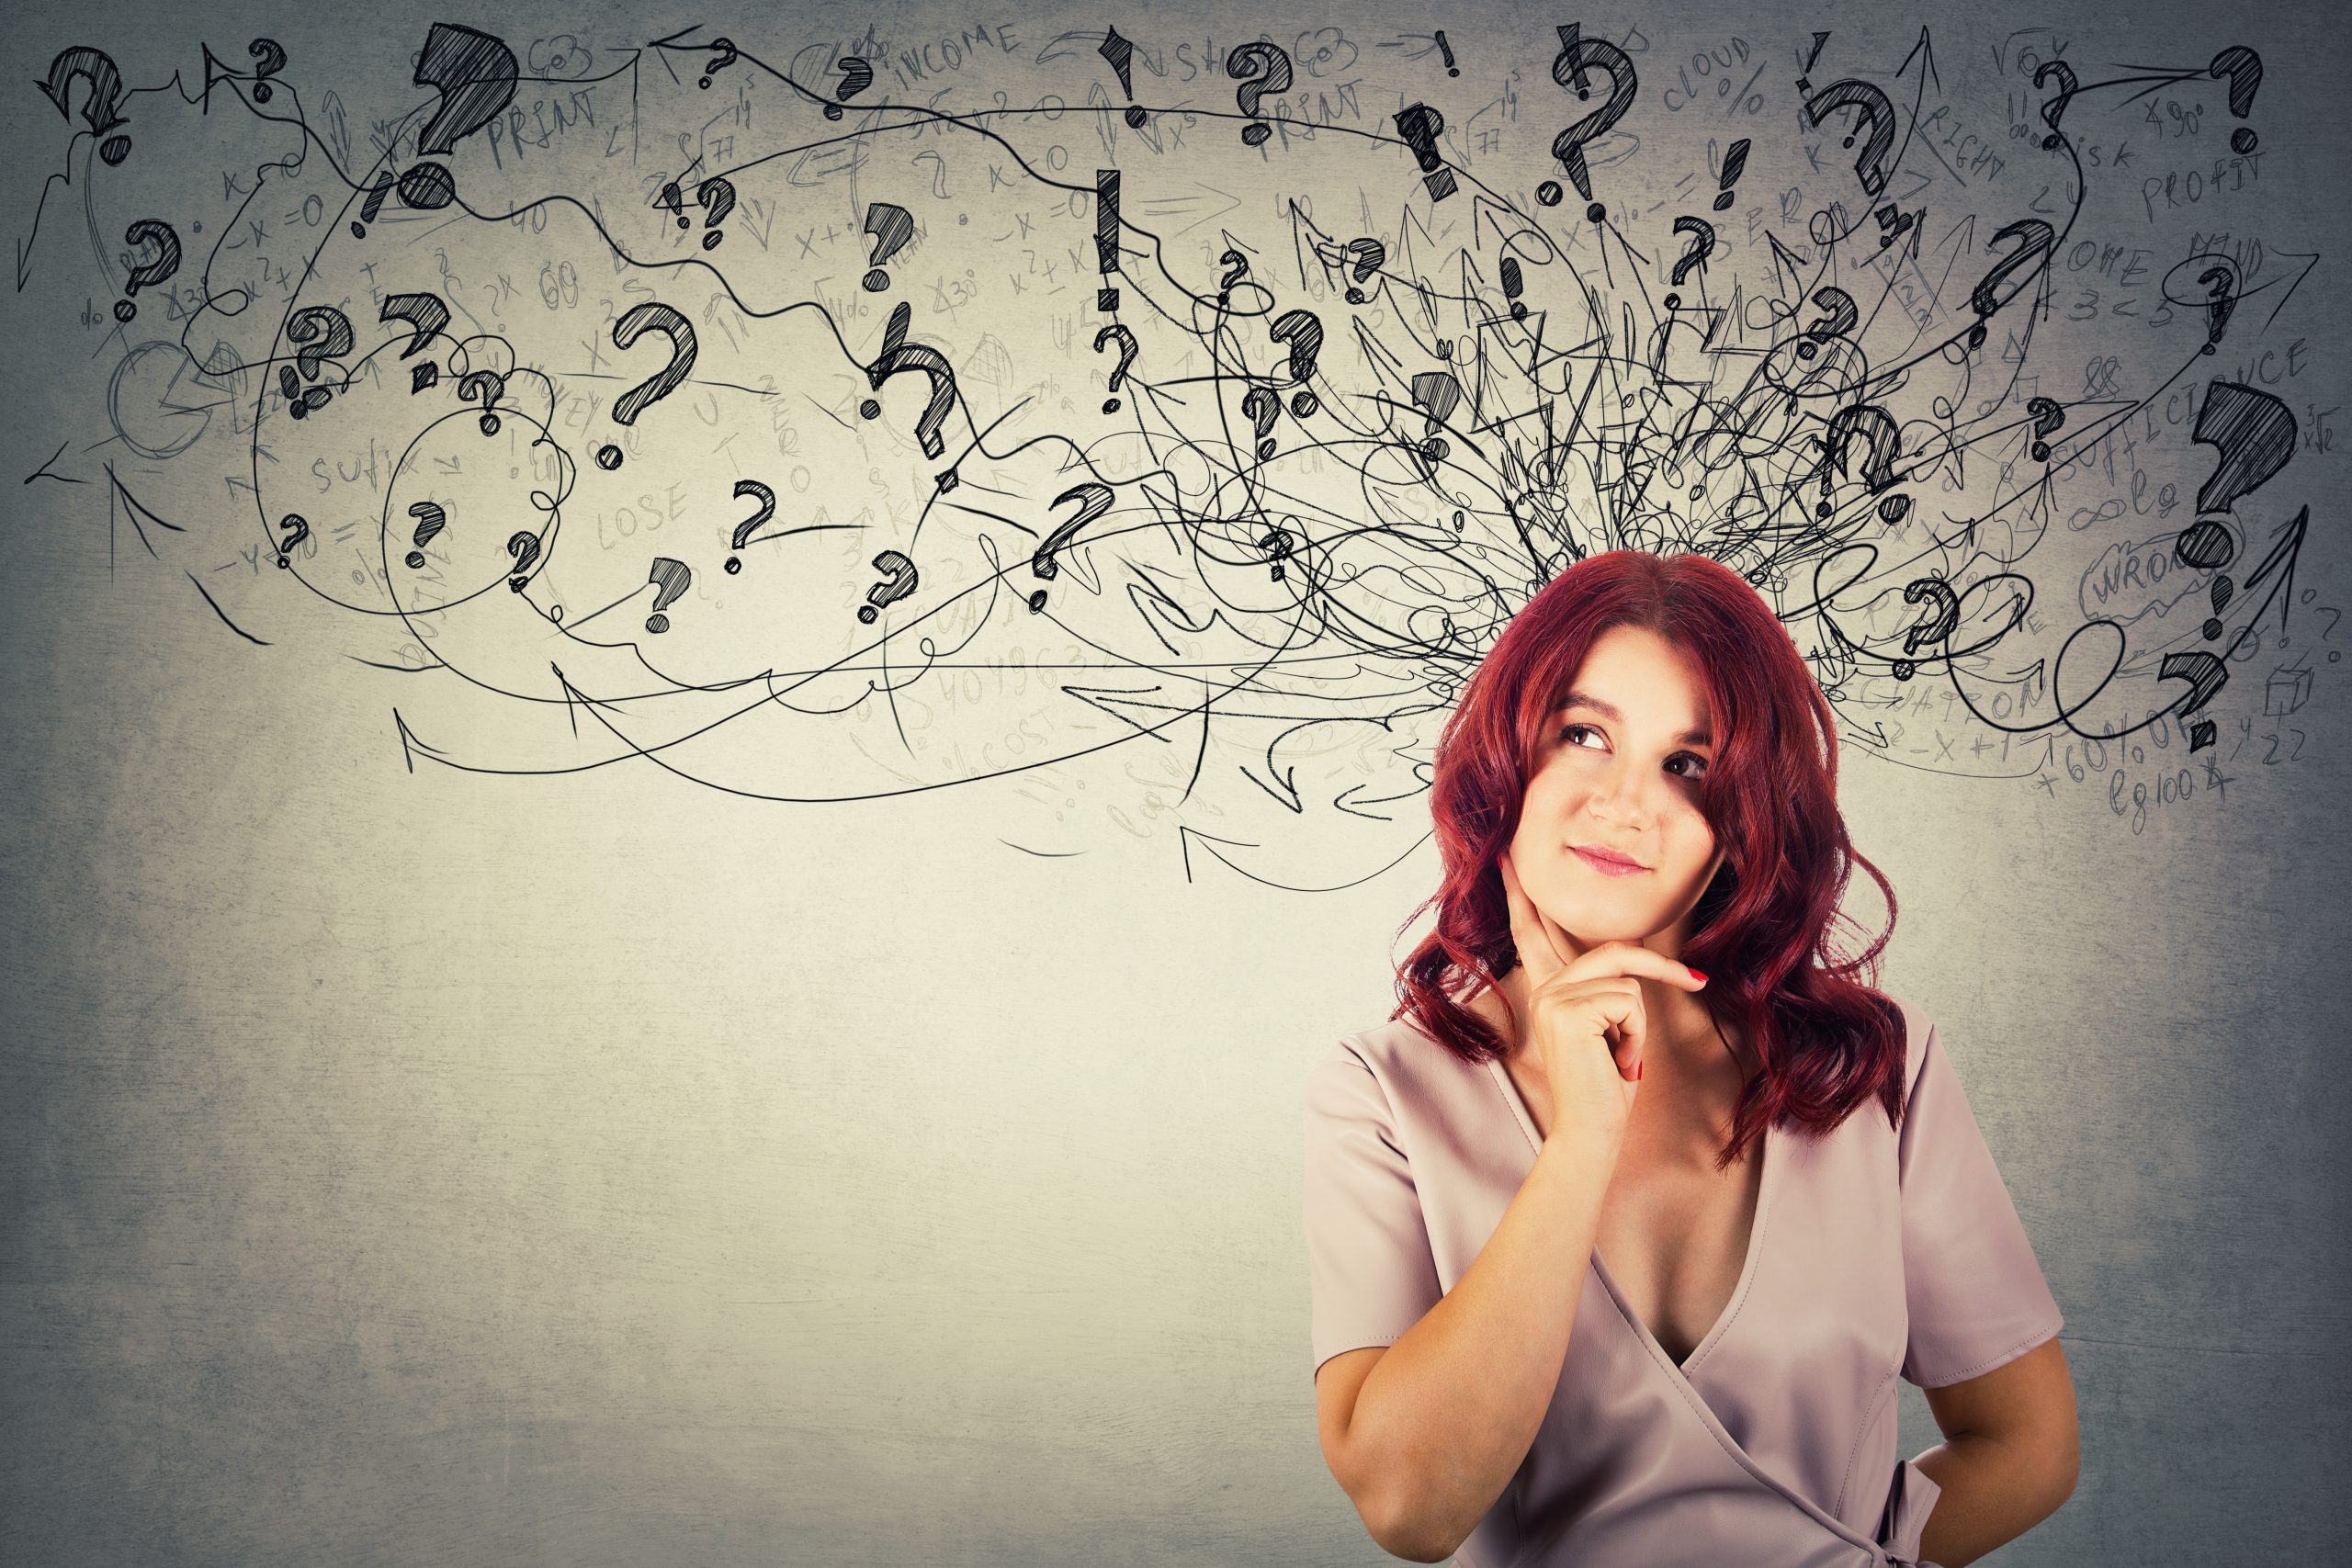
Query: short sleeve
pixel 1976 1296
pixel 1371 1270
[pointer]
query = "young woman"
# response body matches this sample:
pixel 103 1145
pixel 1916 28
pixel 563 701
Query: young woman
pixel 1614 1262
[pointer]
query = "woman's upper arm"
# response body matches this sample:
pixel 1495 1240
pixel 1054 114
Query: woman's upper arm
pixel 2027 1402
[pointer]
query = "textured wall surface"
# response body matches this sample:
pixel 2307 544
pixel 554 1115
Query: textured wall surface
pixel 434 1134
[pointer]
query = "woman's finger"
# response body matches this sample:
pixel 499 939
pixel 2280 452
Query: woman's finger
pixel 1527 933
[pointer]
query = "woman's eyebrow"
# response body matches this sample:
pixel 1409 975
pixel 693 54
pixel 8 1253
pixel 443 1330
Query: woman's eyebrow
pixel 1581 699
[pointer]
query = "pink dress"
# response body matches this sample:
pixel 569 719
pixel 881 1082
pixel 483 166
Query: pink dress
pixel 1872 1253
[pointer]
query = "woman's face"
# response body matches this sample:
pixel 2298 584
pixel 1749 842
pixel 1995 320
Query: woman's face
pixel 1619 770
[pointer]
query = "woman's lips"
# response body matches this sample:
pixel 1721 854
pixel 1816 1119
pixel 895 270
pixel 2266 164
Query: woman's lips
pixel 1606 866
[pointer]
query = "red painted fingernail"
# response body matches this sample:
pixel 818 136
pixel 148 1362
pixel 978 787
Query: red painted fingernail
pixel 1700 973
pixel 1637 1070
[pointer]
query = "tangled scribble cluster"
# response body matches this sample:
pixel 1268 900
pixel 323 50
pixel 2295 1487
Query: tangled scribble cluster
pixel 516 379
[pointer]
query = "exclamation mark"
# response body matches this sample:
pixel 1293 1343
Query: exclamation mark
pixel 1511 285
pixel 1121 53
pixel 1734 162
pixel 1447 50
pixel 1106 237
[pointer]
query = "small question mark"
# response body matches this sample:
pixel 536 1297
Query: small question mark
pixel 669 578
pixel 2067 83
pixel 1260 68
pixel 856 76
pixel 1702 245
pixel 743 536
pixel 1263 407
pixel 1938 626
pixel 295 521
pixel 146 231
pixel 1886 439
pixel 333 332
pixel 1237 271
pixel 1303 329
pixel 892 226
pixel 102 110
pixel 1366 257
pixel 1127 341
pixel 2049 417
pixel 484 387
pixel 1842 319
pixel 430 520
pixel 2242 69
pixel 1577 55
pixel 716 199
pixel 1093 499
pixel 269 61
pixel 902 579
pixel 724 56
pixel 2034 238
pixel 2221 280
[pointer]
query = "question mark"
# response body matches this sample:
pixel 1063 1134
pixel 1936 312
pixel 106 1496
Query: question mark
pixel 1842 319
pixel 475 74
pixel 892 226
pixel 301 530
pixel 2049 416
pixel 2034 238
pixel 333 330
pixel 1262 406
pixel 1871 106
pixel 1878 426
pixel 430 520
pixel 2067 83
pixel 167 261
pixel 1270 67
pixel 102 110
pixel 2255 432
pixel 269 61
pixel 1435 393
pixel 1578 54
pixel 1237 270
pixel 902 583
pixel 1938 626
pixel 2221 280
pixel 2242 68
pixel 425 313
pixel 669 578
pixel 1303 329
pixel 1093 499
pixel 1702 245
pixel 899 355
pixel 651 316
pixel 716 199
pixel 1366 257
pixel 1126 357
pixel 856 76
pixel 725 57
pixel 743 536
pixel 486 387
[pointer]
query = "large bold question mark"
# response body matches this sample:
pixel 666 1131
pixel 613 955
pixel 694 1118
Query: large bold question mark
pixel 898 355
pixel 2254 432
pixel 102 110
pixel 669 578
pixel 1260 68
pixel 2034 238
pixel 1303 329
pixel 1842 319
pixel 1127 341
pixel 651 316
pixel 902 579
pixel 155 231
pixel 475 73
pixel 1577 55
pixel 892 226
pixel 1093 499
pixel 1886 440
pixel 2049 417
pixel 1870 106
pixel 427 314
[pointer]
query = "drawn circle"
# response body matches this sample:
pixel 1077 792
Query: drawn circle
pixel 608 456
pixel 1303 404
pixel 427 186
pixel 733 565
pixel 114 150
pixel 1256 135
pixel 2204 545
pixel 1134 117
pixel 869 408
pixel 1893 508
pixel 124 309
pixel 1548 193
pixel 2242 141
pixel 876 281
pixel 1596 212
pixel 1673 302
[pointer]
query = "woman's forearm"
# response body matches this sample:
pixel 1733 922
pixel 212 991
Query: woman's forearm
pixel 1994 1490
pixel 1452 1407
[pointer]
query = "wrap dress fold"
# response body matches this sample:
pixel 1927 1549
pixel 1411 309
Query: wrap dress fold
pixel 1873 1254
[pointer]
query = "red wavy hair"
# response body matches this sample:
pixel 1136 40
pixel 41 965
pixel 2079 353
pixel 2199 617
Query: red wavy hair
pixel 1825 1039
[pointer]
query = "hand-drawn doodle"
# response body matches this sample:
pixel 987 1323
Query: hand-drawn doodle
pixel 1888 343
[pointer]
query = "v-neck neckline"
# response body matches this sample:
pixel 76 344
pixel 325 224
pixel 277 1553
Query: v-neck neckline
pixel 1748 1262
